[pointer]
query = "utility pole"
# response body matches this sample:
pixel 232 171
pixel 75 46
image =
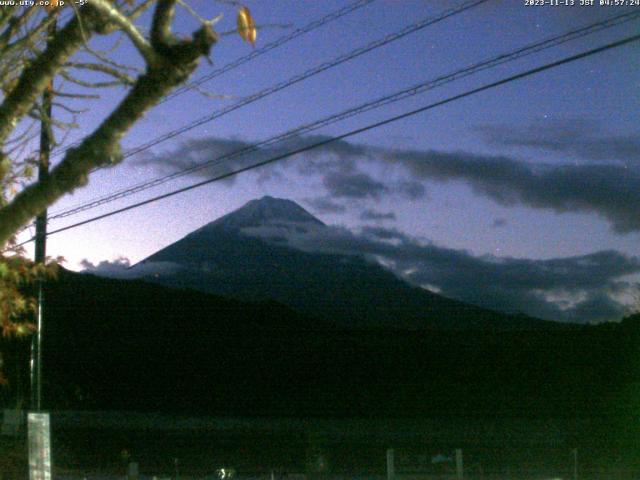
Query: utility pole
pixel 46 132
pixel 38 423
pixel 575 463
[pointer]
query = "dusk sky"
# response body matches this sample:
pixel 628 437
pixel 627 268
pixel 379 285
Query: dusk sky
pixel 534 183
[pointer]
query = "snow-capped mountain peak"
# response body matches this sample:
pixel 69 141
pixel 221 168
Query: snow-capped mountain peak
pixel 266 211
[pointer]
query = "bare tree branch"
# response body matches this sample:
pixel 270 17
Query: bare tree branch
pixel 6 14
pixel 113 83
pixel 38 114
pixel 136 12
pixel 15 23
pixel 197 16
pixel 123 22
pixel 76 96
pixel 20 137
pixel 102 68
pixel 68 109
pixel 102 147
pixel 37 76
pixel 161 27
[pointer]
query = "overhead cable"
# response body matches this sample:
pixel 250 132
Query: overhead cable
pixel 357 131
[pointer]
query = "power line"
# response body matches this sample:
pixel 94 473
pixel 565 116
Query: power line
pixel 312 72
pixel 386 100
pixel 357 131
pixel 270 46
pixel 305 75
pixel 300 77
pixel 256 53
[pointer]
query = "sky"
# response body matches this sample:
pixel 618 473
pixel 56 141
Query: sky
pixel 523 197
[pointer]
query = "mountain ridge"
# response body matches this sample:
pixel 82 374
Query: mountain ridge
pixel 247 255
pixel 130 344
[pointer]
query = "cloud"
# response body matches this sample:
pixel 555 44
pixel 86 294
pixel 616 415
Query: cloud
pixel 353 185
pixel 599 305
pixel 105 267
pixel 360 185
pixel 370 214
pixel 121 268
pixel 225 154
pixel 579 138
pixel 325 205
pixel 611 191
pixel 383 233
pixel 411 189
pixel 583 288
pixel 499 223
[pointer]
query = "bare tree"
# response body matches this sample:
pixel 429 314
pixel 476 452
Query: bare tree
pixel 32 54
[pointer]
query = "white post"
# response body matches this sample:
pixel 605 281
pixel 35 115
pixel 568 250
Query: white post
pixel 391 473
pixel 39 435
pixel 459 464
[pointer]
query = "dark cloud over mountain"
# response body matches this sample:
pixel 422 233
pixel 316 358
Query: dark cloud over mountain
pixel 353 185
pixel 105 267
pixel 370 214
pixel 578 138
pixel 120 268
pixel 325 205
pixel 610 191
pixel 581 288
pixel 499 223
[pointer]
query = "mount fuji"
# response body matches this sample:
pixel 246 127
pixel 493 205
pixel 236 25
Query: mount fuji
pixel 311 330
pixel 272 250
